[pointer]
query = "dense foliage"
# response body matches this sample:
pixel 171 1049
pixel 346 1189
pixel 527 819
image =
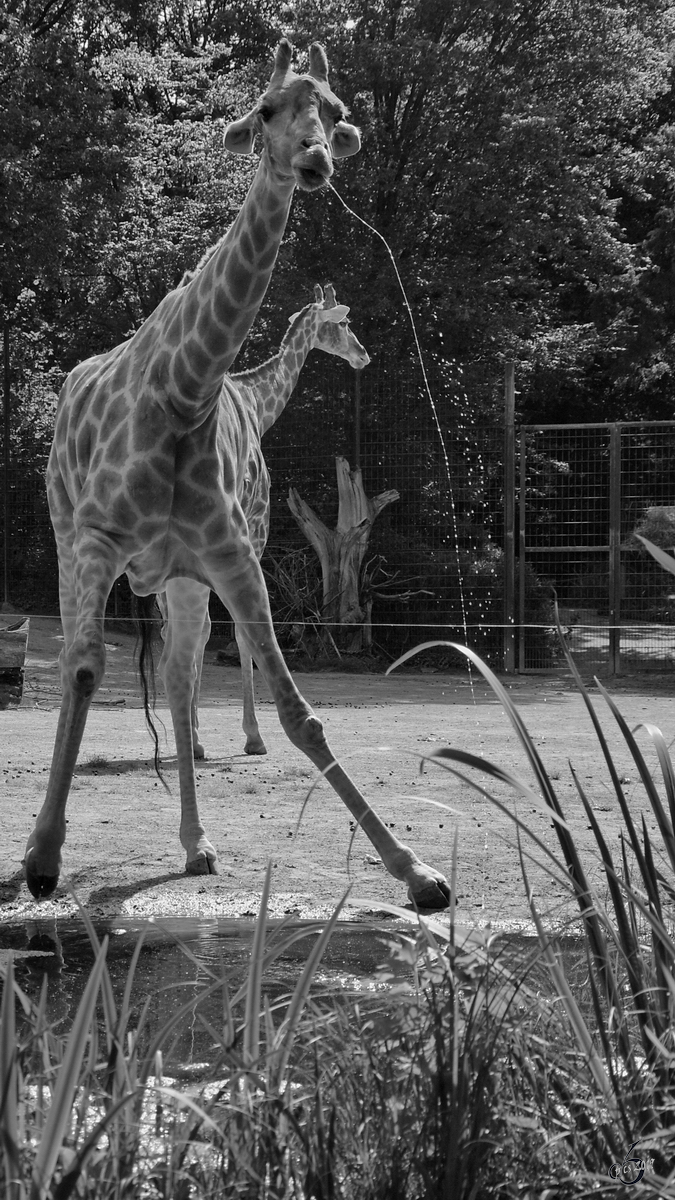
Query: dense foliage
pixel 518 158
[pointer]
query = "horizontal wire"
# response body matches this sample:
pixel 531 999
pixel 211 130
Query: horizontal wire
pixel 645 627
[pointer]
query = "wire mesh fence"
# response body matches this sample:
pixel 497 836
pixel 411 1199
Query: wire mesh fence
pixel 584 490
pixel 435 565
pixel 30 565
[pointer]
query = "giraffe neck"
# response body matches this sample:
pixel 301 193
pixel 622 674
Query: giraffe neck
pixel 273 381
pixel 205 322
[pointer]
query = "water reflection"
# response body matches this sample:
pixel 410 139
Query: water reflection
pixel 179 958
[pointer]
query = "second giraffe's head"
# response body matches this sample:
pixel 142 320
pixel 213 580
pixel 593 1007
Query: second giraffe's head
pixel 330 330
pixel 301 121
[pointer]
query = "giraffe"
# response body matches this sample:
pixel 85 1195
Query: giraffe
pixel 146 469
pixel 264 392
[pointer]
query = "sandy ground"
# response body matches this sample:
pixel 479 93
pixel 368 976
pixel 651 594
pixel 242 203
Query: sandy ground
pixel 122 852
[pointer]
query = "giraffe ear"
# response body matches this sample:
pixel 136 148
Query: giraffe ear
pixel 335 314
pixel 240 135
pixel 346 140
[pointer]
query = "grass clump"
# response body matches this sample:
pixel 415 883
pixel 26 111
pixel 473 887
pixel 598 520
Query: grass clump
pixel 609 1092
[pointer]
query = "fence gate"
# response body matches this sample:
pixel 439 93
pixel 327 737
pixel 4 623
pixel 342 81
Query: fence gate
pixel 583 490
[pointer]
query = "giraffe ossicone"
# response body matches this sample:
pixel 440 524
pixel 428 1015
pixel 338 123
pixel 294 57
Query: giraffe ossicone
pixel 146 476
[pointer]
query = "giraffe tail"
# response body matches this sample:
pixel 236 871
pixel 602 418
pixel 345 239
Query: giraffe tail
pixel 146 617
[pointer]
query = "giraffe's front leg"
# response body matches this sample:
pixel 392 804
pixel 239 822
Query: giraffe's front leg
pixel 427 887
pixel 242 590
pixel 42 858
pixel 85 579
pixel 187 612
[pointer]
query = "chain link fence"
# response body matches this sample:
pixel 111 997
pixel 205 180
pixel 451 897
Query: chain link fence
pixel 435 566
pixel 584 491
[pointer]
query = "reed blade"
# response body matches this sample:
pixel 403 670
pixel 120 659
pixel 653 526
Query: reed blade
pixel 59 1114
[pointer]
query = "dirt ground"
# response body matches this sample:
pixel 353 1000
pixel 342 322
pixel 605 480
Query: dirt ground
pixel 122 852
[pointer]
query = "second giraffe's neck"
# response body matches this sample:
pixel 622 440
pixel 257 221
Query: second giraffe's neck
pixel 273 381
pixel 209 318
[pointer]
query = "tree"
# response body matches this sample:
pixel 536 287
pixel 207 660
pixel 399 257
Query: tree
pixel 63 165
pixel 499 140
pixel 517 158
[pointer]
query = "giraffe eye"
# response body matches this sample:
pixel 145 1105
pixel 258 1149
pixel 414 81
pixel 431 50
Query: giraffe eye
pixel 265 112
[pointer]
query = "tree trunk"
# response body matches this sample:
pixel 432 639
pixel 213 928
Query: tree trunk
pixel 341 553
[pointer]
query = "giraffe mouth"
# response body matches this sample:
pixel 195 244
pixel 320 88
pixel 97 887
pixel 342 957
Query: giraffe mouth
pixel 312 170
pixel 309 179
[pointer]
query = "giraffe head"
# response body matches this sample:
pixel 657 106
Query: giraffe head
pixel 302 122
pixel 331 332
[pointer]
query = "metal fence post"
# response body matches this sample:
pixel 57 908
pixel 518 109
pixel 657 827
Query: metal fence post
pixel 614 548
pixel 357 419
pixel 5 482
pixel 509 518
pixel 521 549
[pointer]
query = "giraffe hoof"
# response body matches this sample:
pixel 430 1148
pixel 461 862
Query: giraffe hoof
pixel 433 892
pixel 202 864
pixel 198 750
pixel 41 886
pixel 255 746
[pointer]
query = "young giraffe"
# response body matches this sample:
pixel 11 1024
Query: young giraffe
pixel 264 392
pixel 147 467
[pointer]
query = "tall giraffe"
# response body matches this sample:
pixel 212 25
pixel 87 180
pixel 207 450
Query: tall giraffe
pixel 147 465
pixel 264 392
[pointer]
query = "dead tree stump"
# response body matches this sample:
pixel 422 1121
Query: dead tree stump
pixel 341 552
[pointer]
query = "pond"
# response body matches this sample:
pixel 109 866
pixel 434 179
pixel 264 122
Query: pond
pixel 180 957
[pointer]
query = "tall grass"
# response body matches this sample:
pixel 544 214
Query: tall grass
pixel 610 1084
pixel 489 1072
pixel 353 1097
pixel 91 1114
pixel 396 1095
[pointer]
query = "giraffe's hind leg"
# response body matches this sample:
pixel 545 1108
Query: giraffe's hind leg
pixel 86 574
pixel 239 581
pixel 180 667
pixel 198 751
pixel 249 724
